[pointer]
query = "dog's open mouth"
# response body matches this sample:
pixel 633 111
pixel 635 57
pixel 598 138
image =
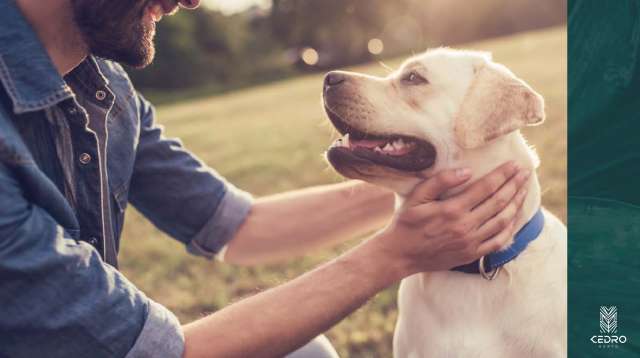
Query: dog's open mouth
pixel 399 152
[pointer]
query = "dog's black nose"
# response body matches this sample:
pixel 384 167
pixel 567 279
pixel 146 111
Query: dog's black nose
pixel 334 79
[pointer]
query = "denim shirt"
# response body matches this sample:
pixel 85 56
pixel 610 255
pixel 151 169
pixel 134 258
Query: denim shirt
pixel 74 151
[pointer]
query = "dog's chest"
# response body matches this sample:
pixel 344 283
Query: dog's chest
pixel 452 314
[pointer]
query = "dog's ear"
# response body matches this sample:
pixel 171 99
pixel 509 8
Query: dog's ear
pixel 496 103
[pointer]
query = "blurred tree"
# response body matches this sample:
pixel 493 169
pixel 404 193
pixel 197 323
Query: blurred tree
pixel 338 29
pixel 208 49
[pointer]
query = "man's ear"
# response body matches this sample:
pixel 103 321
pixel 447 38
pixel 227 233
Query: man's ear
pixel 496 103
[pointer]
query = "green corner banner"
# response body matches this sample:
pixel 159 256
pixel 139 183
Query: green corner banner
pixel 604 178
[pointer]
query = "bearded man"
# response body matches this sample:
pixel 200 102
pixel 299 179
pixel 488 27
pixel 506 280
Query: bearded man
pixel 78 143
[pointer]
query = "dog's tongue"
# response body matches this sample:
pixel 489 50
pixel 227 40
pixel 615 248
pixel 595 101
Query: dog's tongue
pixel 367 143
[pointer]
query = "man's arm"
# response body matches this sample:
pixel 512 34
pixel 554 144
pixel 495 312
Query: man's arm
pixel 280 320
pixel 294 223
pixel 427 235
pixel 193 204
pixel 179 194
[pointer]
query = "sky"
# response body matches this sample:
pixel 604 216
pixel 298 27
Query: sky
pixel 231 6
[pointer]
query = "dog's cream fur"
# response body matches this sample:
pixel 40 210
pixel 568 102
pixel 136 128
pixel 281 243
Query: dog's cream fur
pixel 471 111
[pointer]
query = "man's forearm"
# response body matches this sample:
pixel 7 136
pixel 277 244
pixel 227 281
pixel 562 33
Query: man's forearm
pixel 285 225
pixel 280 320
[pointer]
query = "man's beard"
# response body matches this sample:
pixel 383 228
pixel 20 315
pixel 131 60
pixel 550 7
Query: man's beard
pixel 116 30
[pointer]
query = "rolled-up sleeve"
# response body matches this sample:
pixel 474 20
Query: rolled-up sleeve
pixel 181 195
pixel 58 298
pixel 219 230
pixel 161 335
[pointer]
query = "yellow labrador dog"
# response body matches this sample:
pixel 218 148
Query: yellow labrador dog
pixel 449 109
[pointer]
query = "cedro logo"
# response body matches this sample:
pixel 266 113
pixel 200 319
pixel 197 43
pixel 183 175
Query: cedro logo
pixel 608 337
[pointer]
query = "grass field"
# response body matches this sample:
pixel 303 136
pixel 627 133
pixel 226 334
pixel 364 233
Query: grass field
pixel 270 138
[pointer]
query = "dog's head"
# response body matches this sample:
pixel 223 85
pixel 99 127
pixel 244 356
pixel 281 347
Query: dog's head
pixel 436 110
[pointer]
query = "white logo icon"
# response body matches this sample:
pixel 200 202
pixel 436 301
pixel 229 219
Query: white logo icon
pixel 608 319
pixel 608 337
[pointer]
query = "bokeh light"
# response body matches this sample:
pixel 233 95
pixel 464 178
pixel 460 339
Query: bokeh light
pixel 375 46
pixel 310 56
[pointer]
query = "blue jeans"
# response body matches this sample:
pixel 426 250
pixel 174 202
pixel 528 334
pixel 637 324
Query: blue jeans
pixel 319 347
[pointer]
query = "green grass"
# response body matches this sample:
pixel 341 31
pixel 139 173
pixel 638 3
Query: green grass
pixel 270 138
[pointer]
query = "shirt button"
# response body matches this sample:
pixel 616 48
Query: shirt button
pixel 101 95
pixel 73 111
pixel 93 241
pixel 85 158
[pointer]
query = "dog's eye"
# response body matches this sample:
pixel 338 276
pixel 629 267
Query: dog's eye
pixel 414 78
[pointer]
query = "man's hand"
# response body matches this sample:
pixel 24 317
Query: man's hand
pixel 428 234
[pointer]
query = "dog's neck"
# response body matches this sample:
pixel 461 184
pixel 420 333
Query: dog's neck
pixel 510 147
pixel 483 160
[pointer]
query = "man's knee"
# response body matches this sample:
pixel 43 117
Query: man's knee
pixel 319 347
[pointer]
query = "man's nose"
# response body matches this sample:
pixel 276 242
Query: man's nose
pixel 333 79
pixel 189 4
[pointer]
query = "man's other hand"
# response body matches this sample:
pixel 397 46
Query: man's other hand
pixel 430 234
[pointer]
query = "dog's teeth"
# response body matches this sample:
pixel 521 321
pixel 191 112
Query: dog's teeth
pixel 377 150
pixel 388 148
pixel 345 140
pixel 398 144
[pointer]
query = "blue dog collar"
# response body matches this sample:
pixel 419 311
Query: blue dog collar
pixel 492 262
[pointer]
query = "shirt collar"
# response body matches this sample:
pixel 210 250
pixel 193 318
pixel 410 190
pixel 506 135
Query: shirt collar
pixel 88 75
pixel 26 71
